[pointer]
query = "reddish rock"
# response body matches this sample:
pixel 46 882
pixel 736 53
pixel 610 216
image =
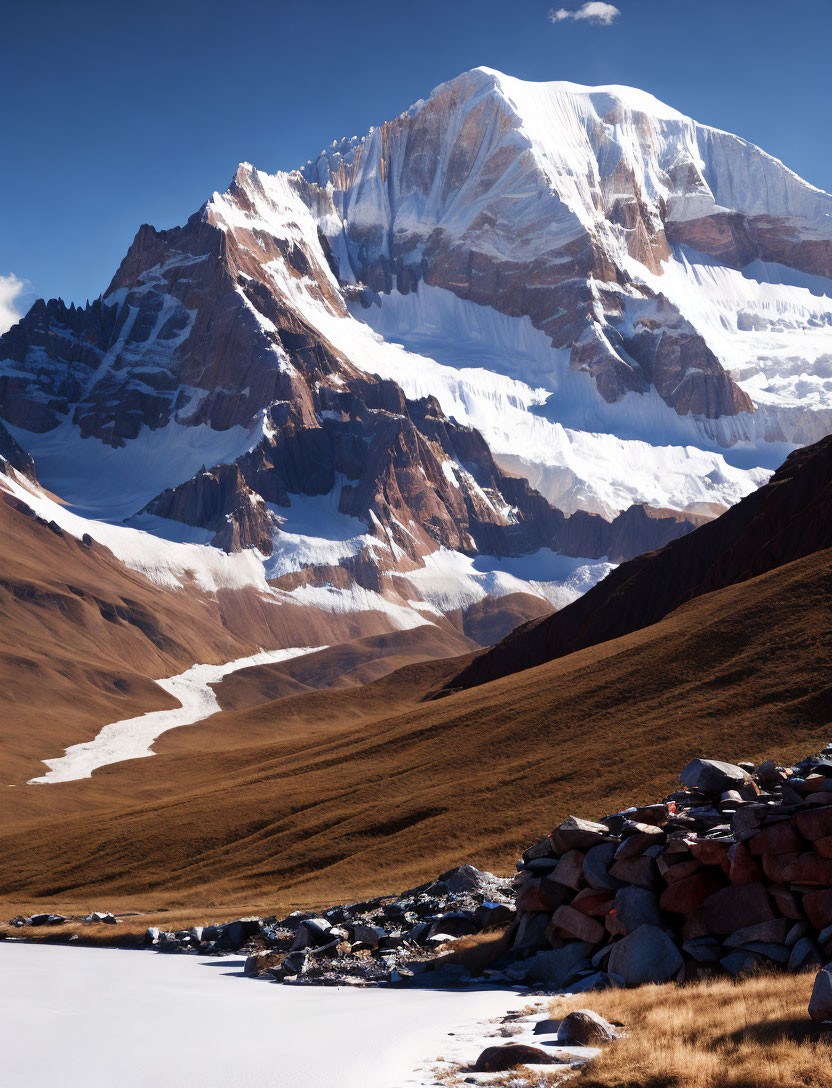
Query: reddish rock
pixel 614 924
pixel 593 902
pixel 568 922
pixel 786 902
pixel 742 868
pixel 816 824
pixel 776 866
pixel 711 852
pixel 570 870
pixel 818 907
pixel 824 846
pixel 686 896
pixel 737 906
pixel 779 838
pixel 636 844
pixel 542 894
pixel 674 873
pixel 694 926
pixel 577 834
pixel 640 871
pixel 809 868
pixel 497 1059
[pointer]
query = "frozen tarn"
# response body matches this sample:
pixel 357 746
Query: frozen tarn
pixel 156 1019
pixel 132 738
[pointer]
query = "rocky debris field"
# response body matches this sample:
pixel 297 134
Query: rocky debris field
pixel 389 939
pixel 729 874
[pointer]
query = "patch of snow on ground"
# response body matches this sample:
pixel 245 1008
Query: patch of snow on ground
pixel 176 1021
pixel 133 738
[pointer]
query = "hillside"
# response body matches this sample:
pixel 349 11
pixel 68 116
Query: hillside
pixel 343 793
pixel 788 518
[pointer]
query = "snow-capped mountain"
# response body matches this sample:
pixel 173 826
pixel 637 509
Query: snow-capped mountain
pixel 517 334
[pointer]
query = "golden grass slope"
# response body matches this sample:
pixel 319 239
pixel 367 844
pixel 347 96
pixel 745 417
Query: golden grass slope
pixel 334 795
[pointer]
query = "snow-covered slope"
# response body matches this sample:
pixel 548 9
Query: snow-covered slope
pixel 337 371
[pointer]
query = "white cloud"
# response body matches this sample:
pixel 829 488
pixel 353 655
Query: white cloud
pixel 594 11
pixel 11 290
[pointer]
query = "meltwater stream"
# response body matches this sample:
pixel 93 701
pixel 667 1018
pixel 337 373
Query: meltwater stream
pixel 132 738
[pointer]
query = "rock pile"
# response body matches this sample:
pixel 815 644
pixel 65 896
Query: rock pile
pixel 731 873
pixel 388 939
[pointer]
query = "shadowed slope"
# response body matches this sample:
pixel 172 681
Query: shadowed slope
pixel 788 518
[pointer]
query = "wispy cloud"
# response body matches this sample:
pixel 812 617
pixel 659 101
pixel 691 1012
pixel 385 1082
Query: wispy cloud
pixel 593 11
pixel 11 290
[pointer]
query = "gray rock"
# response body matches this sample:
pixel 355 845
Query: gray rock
pixel 368 934
pixel 311 933
pixel 583 1027
pixel 804 954
pixel 712 776
pixel 598 980
pixel 703 949
pixel 546 1027
pixel 551 969
pixel 820 1003
pixel 151 935
pixel 636 907
pixel 741 962
pixel 596 867
pixel 645 955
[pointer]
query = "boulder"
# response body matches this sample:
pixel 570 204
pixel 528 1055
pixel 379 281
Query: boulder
pixel 370 935
pixel 593 902
pixel 552 969
pixel 570 870
pixel 583 1027
pixel 597 862
pixel 686 896
pixel 546 1027
pixel 703 949
pixel 818 907
pixel 636 907
pixel 712 777
pixel 820 1003
pixel 786 902
pixel 808 868
pixel 737 906
pixel 577 834
pixel 568 922
pixel 804 954
pixel 645 955
pixel 464 878
pixel 742 868
pixel 312 932
pixel 779 838
pixel 641 871
pixel 542 893
pixel 771 932
pixel 497 1059
pixel 814 823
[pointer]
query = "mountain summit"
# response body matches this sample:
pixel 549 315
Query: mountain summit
pixel 512 337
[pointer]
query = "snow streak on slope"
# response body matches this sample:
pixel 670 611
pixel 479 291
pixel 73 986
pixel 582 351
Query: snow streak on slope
pixel 133 738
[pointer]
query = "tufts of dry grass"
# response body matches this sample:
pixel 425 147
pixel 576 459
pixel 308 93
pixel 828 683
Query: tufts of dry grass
pixel 720 1033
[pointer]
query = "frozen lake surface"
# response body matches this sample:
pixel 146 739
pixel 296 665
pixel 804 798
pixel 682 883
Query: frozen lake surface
pixel 101 1018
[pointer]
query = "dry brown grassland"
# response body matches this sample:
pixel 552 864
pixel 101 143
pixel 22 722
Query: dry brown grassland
pixel 721 1033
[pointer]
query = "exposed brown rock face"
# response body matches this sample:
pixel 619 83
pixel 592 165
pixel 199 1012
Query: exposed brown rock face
pixel 788 518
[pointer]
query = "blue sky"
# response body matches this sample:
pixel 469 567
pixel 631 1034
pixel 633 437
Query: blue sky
pixel 117 114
